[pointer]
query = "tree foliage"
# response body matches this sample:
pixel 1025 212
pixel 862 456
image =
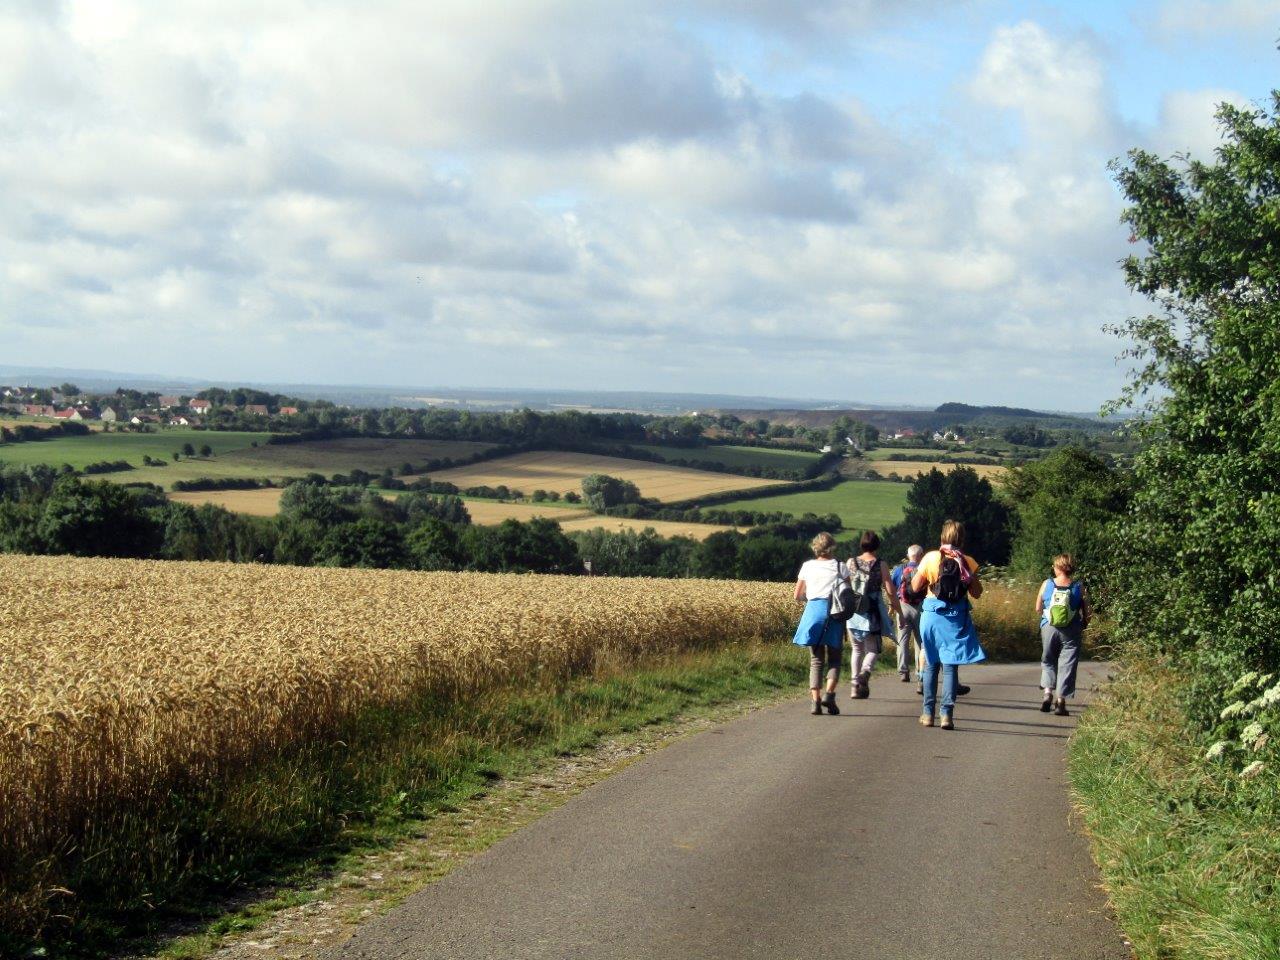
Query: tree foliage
pixel 1064 504
pixel 1195 572
pixel 959 494
pixel 602 491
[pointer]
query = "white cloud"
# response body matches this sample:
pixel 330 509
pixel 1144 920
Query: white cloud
pixel 1194 18
pixel 1187 122
pixel 546 192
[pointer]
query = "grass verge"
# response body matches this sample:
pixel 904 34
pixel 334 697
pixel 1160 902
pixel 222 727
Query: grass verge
pixel 1190 855
pixel 287 823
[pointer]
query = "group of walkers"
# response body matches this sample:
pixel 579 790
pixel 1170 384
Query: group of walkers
pixel 929 595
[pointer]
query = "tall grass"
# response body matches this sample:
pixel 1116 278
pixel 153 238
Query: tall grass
pixel 1189 847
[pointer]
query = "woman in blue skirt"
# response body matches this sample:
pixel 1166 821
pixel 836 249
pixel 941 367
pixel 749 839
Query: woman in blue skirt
pixel 817 630
pixel 947 632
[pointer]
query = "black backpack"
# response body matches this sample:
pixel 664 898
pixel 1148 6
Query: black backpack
pixel 952 584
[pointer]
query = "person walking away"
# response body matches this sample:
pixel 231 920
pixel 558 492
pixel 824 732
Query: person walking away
pixel 908 611
pixel 1064 612
pixel 947 631
pixel 817 630
pixel 870 620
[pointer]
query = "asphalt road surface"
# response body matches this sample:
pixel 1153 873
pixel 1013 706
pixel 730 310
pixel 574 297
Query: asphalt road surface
pixel 781 835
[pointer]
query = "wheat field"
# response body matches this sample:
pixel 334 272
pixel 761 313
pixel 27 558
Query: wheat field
pixel 266 503
pixel 912 468
pixel 563 472
pixel 121 681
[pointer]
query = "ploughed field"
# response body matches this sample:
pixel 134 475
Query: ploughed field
pixel 152 679
pixel 563 472
pixel 266 503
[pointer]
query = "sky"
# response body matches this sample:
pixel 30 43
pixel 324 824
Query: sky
pixel 886 201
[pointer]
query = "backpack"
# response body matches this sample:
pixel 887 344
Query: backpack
pixel 843 600
pixel 905 593
pixel 863 588
pixel 1059 608
pixel 953 578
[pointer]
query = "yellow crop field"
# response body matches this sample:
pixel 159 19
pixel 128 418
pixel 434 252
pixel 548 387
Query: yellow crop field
pixel 122 681
pixel 266 503
pixel 664 528
pixel 258 503
pixel 909 468
pixel 563 472
pixel 485 512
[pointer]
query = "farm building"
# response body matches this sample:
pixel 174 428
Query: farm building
pixel 288 411
pixel 257 409
pixel 109 415
pixel 200 406
pixel 168 402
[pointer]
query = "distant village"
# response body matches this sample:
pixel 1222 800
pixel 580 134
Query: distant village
pixel 131 407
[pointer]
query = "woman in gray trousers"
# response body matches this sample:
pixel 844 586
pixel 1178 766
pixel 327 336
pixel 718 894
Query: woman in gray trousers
pixel 1064 612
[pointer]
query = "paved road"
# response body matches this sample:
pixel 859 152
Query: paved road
pixel 786 836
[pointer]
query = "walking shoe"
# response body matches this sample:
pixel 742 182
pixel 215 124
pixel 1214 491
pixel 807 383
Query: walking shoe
pixel 926 719
pixel 829 701
pixel 817 709
pixel 1060 708
pixel 961 689
pixel 920 689
pixel 864 684
pixel 904 677
pixel 946 722
pixel 1047 704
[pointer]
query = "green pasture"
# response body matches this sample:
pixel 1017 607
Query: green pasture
pixel 738 457
pixel 234 454
pixel 79 452
pixel 860 504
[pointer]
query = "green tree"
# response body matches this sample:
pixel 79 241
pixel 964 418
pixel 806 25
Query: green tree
pixel 96 520
pixel 959 494
pixel 1064 503
pixel 188 450
pixel 1195 574
pixel 433 545
pixel 539 546
pixel 206 450
pixel 770 557
pixel 602 491
pixel 368 542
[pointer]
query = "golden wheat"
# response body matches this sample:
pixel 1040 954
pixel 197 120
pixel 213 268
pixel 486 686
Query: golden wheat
pixel 120 679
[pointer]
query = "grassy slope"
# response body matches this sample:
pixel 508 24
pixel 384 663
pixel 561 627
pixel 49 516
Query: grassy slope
pixel 304 814
pixel 732 456
pixel 234 454
pixel 860 504
pixel 1190 858
pixel 79 451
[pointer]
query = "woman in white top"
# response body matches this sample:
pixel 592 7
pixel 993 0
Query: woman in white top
pixel 817 630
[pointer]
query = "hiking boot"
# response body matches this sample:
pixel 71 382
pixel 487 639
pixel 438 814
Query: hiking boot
pixel 864 684
pixel 829 701
pixel 1047 704
pixel 920 689
pixel 816 710
pixel 961 689
pixel 946 722
pixel 926 719
pixel 1060 708
pixel 904 677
